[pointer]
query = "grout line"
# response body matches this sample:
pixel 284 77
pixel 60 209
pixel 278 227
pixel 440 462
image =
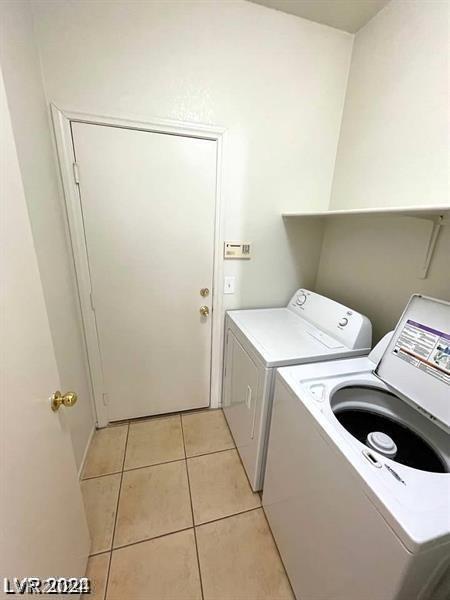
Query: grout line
pixel 94 554
pixel 241 512
pixel 192 512
pixel 212 452
pixel 99 553
pixel 150 539
pixel 101 475
pixel 117 512
pixel 164 462
pixel 162 535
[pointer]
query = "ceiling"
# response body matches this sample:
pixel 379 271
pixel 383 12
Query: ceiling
pixel 349 15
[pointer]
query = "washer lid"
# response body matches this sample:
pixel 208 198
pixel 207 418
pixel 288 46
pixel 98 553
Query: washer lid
pixel 416 363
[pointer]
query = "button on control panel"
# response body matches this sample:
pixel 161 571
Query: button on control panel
pixel 343 322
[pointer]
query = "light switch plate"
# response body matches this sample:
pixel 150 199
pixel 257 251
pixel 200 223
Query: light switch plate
pixel 239 250
pixel 229 284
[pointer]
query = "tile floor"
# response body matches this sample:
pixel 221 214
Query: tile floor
pixel 172 516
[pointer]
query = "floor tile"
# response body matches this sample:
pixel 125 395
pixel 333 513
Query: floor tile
pixel 153 501
pixel 239 559
pixel 162 569
pixel 219 486
pixel 206 431
pixel 97 572
pixel 100 501
pixel 106 451
pixel 154 441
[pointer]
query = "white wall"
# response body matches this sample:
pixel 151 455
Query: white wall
pixel 372 264
pixel 393 151
pixel 274 81
pixel 394 142
pixel 277 83
pixel 29 115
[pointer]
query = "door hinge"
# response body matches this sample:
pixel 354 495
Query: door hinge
pixel 76 173
pixel 92 301
pixel 105 399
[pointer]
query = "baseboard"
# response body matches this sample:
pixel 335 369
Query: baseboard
pixel 86 450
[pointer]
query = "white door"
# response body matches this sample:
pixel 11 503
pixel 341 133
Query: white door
pixel 148 205
pixel 42 523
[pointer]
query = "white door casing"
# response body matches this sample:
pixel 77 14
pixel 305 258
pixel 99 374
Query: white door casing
pixel 168 312
pixel 43 526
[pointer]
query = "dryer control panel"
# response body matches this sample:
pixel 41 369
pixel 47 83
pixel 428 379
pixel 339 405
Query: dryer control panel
pixel 341 322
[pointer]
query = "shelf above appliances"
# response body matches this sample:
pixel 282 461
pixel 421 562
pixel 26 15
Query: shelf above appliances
pixel 438 215
pixel 421 212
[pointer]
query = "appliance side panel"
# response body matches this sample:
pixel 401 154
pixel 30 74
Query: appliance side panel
pixel 328 532
pixel 244 387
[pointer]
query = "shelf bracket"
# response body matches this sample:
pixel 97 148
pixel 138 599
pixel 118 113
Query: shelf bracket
pixel 438 223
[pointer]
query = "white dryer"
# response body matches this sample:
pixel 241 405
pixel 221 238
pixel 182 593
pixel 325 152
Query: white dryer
pixel 310 328
pixel 357 486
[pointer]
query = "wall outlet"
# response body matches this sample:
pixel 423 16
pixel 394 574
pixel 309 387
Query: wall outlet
pixel 229 285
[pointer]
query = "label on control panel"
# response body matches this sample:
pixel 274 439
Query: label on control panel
pixel 426 349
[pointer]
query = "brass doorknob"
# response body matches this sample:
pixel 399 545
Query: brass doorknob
pixel 67 400
pixel 204 311
pixel 204 292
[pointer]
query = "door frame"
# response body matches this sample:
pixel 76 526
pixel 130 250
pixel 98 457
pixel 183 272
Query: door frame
pixel 62 120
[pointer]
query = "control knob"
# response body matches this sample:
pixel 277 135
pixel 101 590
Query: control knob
pixel 301 299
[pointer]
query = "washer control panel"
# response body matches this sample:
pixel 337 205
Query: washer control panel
pixel 342 323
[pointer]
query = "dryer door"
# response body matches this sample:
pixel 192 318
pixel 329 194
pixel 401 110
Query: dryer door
pixel 241 394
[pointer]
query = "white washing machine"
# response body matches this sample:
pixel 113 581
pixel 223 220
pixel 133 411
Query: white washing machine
pixel 357 485
pixel 310 328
